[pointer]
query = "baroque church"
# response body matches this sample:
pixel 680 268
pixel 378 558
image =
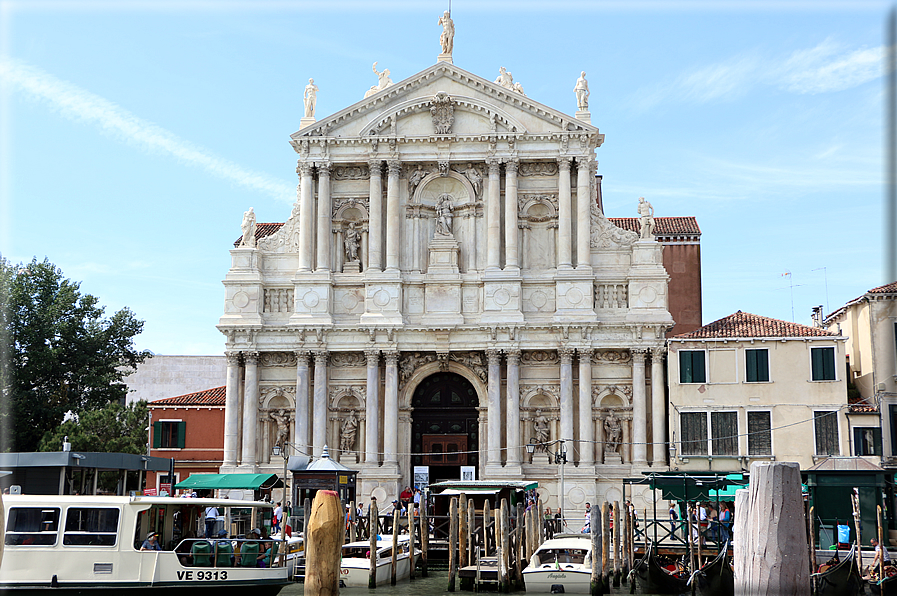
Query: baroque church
pixel 446 290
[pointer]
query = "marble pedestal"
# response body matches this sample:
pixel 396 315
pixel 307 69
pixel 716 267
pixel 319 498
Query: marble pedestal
pixel 442 289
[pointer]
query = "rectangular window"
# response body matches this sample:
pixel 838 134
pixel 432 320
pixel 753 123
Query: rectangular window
pixel 759 433
pixel 693 427
pixel 169 434
pixel 691 366
pixel 90 527
pixel 823 363
pixel 867 440
pixel 826 424
pixel 724 429
pixel 756 365
pixel 32 526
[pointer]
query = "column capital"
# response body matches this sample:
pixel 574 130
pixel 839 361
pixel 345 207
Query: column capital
pixel 391 357
pixel 321 357
pixel 302 357
pixel 324 169
pixel 233 357
pixel 511 166
pixel 493 356
pixel 585 161
pixel 566 355
pixel 494 166
pixel 395 167
pixel 375 165
pixel 638 355
pixel 585 354
pixel 513 356
pixel 564 163
pixel 251 358
pixel 373 357
pixel 658 353
pixel 304 168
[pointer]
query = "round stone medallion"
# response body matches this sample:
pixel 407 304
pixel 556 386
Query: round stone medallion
pixel 613 494
pixel 538 299
pixel 310 300
pixel 647 295
pixel 241 299
pixel 350 301
pixel 502 296
pixel 380 494
pixel 576 495
pixel 381 298
pixel 574 296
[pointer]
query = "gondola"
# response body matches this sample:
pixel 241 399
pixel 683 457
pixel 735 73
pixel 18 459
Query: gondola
pixel 654 579
pixel 886 587
pixel 841 579
pixel 716 577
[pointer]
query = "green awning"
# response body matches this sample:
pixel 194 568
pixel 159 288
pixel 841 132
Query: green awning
pixel 231 481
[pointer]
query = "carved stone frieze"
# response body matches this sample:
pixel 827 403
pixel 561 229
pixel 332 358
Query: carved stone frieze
pixel 537 357
pixel 442 111
pixel 347 359
pixel 338 392
pixel 266 393
pixel 351 173
pixel 604 234
pixel 278 359
pixel 339 204
pixel 598 390
pixel 475 361
pixel 613 356
pixel 538 168
pixel 524 199
pixel 410 362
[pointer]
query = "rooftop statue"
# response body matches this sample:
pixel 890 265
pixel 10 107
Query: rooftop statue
pixel 582 92
pixel 383 81
pixel 311 98
pixel 248 227
pixel 506 80
pixel 646 215
pixel 447 38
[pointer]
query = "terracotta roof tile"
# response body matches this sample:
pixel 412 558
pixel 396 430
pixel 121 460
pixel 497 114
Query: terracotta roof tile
pixel 744 325
pixel 663 226
pixel 890 288
pixel 206 397
pixel 261 230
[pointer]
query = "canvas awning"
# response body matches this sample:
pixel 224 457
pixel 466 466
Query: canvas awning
pixel 231 481
pixel 468 491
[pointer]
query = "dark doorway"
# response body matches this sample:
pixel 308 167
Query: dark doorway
pixel 445 425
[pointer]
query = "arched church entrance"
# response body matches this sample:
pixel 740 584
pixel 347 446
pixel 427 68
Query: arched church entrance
pixel 445 426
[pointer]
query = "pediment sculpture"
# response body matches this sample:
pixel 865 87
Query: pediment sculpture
pixel 286 239
pixel 604 234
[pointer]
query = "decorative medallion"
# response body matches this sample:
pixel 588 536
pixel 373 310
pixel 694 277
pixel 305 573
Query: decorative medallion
pixel 443 113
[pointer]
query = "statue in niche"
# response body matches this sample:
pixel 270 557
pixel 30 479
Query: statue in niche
pixel 582 92
pixel 415 178
pixel 347 433
pixel 447 38
pixel 248 227
pixel 543 434
pixel 311 98
pixel 646 215
pixel 475 179
pixel 444 215
pixel 282 420
pixel 613 433
pixel 351 242
pixel 383 81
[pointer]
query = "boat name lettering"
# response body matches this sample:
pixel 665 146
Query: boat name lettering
pixel 201 575
pixel 557 576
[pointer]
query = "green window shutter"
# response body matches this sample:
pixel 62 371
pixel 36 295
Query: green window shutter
pixel 757 366
pixel 828 360
pixel 750 365
pixel 816 362
pixel 763 365
pixel 699 375
pixel 182 434
pixel 157 435
pixel 685 372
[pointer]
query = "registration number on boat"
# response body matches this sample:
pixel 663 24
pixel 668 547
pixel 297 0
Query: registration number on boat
pixel 201 575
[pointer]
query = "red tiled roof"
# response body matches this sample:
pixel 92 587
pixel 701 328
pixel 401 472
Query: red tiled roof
pixel 663 226
pixel 206 397
pixel 890 288
pixel 261 230
pixel 743 324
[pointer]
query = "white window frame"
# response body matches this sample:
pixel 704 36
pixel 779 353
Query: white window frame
pixel 709 439
pixel 706 380
pixel 810 359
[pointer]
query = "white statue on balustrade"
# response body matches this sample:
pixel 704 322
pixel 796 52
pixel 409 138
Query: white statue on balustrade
pixel 646 216
pixel 383 81
pixel 311 98
pixel 582 92
pixel 444 215
pixel 248 228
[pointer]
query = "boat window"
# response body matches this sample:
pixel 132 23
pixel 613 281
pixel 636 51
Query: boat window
pixel 32 526
pixel 92 526
pixel 562 555
pixel 356 552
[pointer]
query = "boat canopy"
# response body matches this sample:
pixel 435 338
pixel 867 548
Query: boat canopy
pixel 231 481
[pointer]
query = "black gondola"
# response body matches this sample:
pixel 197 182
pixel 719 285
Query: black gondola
pixel 842 579
pixel 716 577
pixel 654 579
pixel 887 587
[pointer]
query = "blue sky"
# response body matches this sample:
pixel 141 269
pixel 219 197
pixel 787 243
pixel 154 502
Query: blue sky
pixel 135 134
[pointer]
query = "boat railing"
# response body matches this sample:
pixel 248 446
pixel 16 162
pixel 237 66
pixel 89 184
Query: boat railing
pixel 230 552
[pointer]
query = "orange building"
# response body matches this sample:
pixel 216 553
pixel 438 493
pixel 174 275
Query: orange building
pixel 189 429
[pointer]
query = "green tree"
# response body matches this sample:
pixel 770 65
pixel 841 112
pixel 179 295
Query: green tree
pixel 114 428
pixel 59 353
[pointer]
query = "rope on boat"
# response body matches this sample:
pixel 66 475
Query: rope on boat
pixel 692 577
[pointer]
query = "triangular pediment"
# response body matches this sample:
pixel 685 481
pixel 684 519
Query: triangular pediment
pixel 478 107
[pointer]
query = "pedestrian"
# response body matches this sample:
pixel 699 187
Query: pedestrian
pixel 548 523
pixel 211 520
pixel 674 517
pixel 278 514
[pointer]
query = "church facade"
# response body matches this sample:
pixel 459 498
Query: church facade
pixel 445 291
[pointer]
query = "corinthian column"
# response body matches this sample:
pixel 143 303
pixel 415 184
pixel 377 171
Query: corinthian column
pixel 306 213
pixel 372 409
pixel 391 410
pixel 393 219
pixel 658 407
pixel 232 410
pixel 512 260
pixel 302 414
pixel 583 212
pixel 250 410
pixel 320 404
pixel 512 430
pixel 586 426
pixel 565 215
pixel 323 253
pixel 375 226
pixel 493 393
pixel 639 410
pixel 493 216
pixel 566 355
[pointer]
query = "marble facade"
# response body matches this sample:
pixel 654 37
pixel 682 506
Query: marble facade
pixel 480 250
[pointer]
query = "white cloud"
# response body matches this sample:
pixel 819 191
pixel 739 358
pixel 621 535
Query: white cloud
pixel 81 105
pixel 829 67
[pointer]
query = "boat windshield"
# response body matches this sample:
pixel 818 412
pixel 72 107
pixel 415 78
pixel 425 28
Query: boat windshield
pixel 356 552
pixel 575 556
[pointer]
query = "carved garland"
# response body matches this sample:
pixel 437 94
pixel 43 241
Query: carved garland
pixel 604 234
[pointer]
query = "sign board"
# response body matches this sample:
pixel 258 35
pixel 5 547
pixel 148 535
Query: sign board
pixel 164 489
pixel 150 492
pixel 468 473
pixel 421 477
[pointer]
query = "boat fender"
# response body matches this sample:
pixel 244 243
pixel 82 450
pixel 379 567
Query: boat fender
pixel 557 588
pixel 54 583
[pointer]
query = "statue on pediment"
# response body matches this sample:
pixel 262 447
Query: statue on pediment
pixel 383 81
pixel 248 227
pixel 646 215
pixel 447 38
pixel 311 98
pixel 444 215
pixel 582 93
pixel 506 80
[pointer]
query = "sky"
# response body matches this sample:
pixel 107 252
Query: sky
pixel 134 134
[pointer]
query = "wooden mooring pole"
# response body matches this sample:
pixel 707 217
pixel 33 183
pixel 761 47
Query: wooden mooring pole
pixel 596 586
pixel 618 550
pixel 424 538
pixel 396 528
pixel 487 521
pixel 505 562
pixel 324 540
pixel 373 513
pixel 453 543
pixel 411 521
pixel 463 552
pixel 520 548
pixel 605 545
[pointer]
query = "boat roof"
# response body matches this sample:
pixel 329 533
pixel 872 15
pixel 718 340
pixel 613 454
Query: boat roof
pixel 385 541
pixel 99 500
pixel 584 541
pixel 483 485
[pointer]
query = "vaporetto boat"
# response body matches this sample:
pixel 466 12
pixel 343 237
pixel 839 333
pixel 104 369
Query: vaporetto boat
pixel 82 544
pixel 355 568
pixel 564 561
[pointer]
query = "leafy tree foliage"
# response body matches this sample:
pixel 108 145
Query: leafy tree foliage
pixel 114 428
pixel 59 353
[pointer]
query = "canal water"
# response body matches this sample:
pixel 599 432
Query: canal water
pixel 433 585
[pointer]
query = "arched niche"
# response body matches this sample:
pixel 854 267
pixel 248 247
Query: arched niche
pixel 611 397
pixel 425 370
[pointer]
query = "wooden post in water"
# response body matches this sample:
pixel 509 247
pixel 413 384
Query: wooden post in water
pixel 881 544
pixel 411 521
pixel 627 543
pixel 700 538
pixel 353 521
pixel 506 544
pixel 743 507
pixel 462 532
pixel 396 528
pixel 856 522
pixel 812 550
pixel 453 543
pixel 373 513
pixel 689 513
pixel 424 538
pixel 530 533
pixel 520 550
pixel 306 510
pixel 596 587
pixel 605 545
pixel 323 542
pixel 618 548
pixel 775 487
pixel 540 526
pixel 487 521
pixel 471 532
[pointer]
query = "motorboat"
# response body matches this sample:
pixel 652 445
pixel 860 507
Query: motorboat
pixel 839 578
pixel 82 544
pixel 355 568
pixel 655 579
pixel 562 561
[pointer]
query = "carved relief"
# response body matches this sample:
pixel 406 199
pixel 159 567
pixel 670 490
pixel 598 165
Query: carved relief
pixel 286 239
pixel 278 300
pixel 443 113
pixel 277 395
pixel 351 173
pixel 475 361
pixel 537 357
pixel 604 234
pixel 538 168
pixel 612 356
pixel 347 359
pixel 410 362
pixel 278 359
pixel 343 204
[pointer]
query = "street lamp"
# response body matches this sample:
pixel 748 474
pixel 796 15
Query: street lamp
pixel 560 458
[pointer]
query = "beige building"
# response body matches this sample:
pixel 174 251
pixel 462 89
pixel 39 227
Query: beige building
pixel 747 388
pixel 869 324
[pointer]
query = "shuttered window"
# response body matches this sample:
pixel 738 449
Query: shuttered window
pixel 169 434
pixel 759 433
pixel 693 426
pixel 826 423
pixel 724 429
pixel 756 365
pixel 867 440
pixel 691 366
pixel 823 363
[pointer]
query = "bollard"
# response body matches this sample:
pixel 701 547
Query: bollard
pixel 323 542
pixel 502 538
pixel 520 548
pixel 487 521
pixel 605 546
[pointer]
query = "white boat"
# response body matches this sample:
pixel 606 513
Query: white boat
pixel 355 568
pixel 565 561
pixel 82 544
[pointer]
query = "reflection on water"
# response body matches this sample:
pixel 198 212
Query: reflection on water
pixel 434 585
